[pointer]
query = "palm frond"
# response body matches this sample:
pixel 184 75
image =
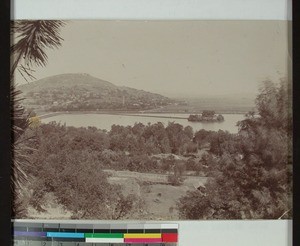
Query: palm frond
pixel 20 122
pixel 19 117
pixel 32 40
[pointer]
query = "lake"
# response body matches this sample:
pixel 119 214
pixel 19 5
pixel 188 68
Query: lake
pixel 105 121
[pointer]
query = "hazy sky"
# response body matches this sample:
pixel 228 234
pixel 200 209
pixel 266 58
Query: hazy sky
pixel 175 57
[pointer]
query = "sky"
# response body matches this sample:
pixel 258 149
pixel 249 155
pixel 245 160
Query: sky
pixel 174 58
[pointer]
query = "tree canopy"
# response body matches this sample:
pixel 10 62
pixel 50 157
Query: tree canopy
pixel 252 179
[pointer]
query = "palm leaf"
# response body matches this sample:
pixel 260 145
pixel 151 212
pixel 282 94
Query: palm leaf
pixel 20 122
pixel 19 118
pixel 32 40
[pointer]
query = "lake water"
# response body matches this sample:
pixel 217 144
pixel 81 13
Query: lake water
pixel 105 121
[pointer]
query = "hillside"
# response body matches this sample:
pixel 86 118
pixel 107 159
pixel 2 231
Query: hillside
pixel 73 92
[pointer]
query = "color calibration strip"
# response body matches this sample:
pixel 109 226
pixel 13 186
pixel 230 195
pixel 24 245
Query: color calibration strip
pixel 97 233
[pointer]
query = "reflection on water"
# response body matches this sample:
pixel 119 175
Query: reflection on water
pixel 105 121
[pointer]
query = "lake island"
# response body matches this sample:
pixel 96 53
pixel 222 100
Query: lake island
pixel 206 116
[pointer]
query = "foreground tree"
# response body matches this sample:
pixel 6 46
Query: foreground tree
pixel 254 180
pixel 31 39
pixel 76 181
pixel 73 177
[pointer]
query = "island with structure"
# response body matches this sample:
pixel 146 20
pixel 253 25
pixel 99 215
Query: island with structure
pixel 206 116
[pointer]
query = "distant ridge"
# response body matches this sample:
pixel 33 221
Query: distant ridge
pixel 65 80
pixel 72 92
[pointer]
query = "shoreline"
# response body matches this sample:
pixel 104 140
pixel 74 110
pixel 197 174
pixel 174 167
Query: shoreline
pixel 45 115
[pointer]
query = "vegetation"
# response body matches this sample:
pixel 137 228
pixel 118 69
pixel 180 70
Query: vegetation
pixel 20 122
pixel 30 41
pixel 72 168
pixel 252 178
pixel 249 172
pixel 82 92
pixel 206 116
pixel 177 178
pixel 31 38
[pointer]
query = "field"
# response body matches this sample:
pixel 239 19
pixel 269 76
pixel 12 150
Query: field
pixel 158 195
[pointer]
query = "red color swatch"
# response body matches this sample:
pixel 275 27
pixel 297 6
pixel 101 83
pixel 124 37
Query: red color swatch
pixel 170 237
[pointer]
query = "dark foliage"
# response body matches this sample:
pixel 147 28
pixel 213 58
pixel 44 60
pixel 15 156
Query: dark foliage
pixel 30 41
pixel 252 179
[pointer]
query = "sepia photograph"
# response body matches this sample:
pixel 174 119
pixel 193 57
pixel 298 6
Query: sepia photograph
pixel 151 120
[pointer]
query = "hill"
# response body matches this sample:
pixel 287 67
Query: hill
pixel 73 92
